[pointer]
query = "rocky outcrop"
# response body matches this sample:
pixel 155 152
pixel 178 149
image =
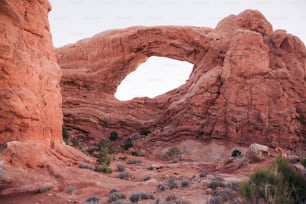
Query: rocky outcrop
pixel 31 145
pixel 30 97
pixel 247 83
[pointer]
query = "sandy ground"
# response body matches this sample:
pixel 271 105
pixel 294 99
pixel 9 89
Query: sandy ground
pixel 198 164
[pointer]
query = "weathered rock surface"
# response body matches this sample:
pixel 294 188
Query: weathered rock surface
pixel 247 84
pixel 31 145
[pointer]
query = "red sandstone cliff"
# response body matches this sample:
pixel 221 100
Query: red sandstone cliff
pixel 247 84
pixel 31 142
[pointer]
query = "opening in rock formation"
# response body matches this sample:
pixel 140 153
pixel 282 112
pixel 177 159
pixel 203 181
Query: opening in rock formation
pixel 154 77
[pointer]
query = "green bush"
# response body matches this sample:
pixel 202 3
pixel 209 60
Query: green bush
pixel 113 136
pixel 103 156
pixel 173 152
pixel 236 153
pixel 216 182
pixel 121 167
pixel 65 134
pixel 123 175
pixel 128 144
pixel 145 132
pixel 280 183
pixel 304 162
pixel 104 169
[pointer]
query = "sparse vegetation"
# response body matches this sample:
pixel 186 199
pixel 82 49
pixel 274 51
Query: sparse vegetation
pixel 145 132
pixel 172 183
pixel 65 135
pixel 134 162
pixel 184 183
pixel 85 166
pixel 203 174
pixel 92 200
pixel 44 189
pixel 160 187
pixel 70 189
pixel 123 175
pixel 113 136
pixel 146 178
pixel 170 198
pixel 104 169
pixel 115 196
pixel 225 195
pixel 121 167
pixel 134 153
pixel 135 197
pixel 216 182
pixel 280 183
pixel 236 153
pixel 128 143
pixel 174 153
pixel 304 162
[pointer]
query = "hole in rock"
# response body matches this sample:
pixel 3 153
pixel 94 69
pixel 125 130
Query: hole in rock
pixel 154 77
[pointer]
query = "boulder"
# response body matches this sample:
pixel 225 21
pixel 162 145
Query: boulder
pixel 257 152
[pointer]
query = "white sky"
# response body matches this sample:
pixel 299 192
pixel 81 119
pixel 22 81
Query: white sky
pixel 72 20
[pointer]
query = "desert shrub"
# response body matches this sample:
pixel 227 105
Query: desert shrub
pixel 65 134
pixel 115 196
pixel 128 143
pixel 92 200
pixel 134 162
pixel 280 183
pixel 135 197
pixel 170 198
pixel 236 153
pixel 160 187
pixel 123 175
pixel 225 195
pixel 103 156
pixel 121 167
pixel 184 183
pixel 104 169
pixel 145 132
pixel 203 174
pixel 173 152
pixel 216 182
pixel 44 189
pixel 106 144
pixel 146 178
pixel 304 162
pixel 77 142
pixel 123 158
pixel 70 189
pixel 85 166
pixel 134 153
pixel 113 136
pixel 172 183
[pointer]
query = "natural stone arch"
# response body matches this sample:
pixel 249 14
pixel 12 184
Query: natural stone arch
pixel 230 95
pixel 122 51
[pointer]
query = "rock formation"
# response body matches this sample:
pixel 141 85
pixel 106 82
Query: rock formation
pixel 30 100
pixel 247 84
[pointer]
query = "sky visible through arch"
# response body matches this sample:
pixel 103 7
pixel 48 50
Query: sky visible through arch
pixel 72 20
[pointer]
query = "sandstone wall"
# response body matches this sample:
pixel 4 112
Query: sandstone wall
pixel 30 99
pixel 247 84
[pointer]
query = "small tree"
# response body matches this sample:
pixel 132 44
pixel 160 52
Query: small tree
pixel 65 134
pixel 113 136
pixel 236 153
pixel 128 143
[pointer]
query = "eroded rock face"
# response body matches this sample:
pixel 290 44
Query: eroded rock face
pixel 31 145
pixel 247 84
pixel 30 99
